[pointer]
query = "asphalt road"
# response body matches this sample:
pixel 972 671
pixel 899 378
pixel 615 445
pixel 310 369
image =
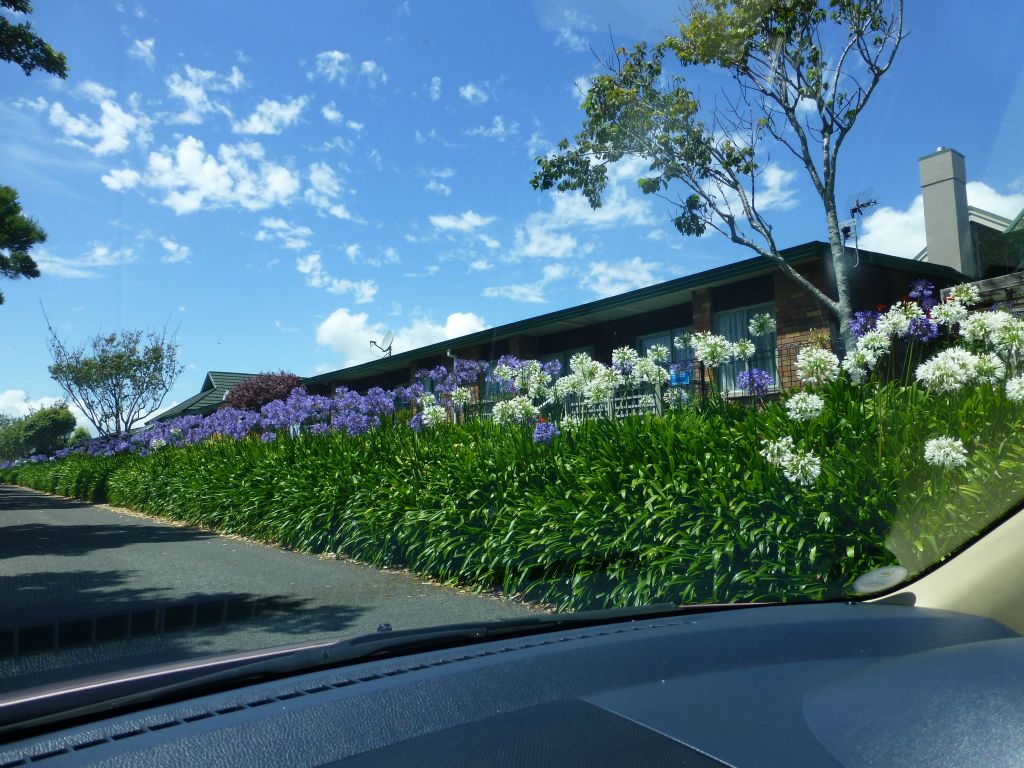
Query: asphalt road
pixel 86 590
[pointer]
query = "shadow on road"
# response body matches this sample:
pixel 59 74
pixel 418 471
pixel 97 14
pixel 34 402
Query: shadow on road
pixel 101 624
pixel 12 497
pixel 69 540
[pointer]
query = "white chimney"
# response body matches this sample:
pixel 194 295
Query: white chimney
pixel 946 222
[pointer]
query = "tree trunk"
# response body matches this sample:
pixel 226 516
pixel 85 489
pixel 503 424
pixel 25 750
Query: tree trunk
pixel 843 311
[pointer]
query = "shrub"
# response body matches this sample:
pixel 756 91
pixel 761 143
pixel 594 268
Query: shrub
pixel 256 391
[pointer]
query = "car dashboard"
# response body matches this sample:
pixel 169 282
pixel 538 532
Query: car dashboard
pixel 848 684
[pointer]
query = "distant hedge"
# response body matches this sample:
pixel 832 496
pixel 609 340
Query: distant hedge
pixel 681 508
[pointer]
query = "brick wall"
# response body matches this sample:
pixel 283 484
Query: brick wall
pixel 799 317
pixel 702 309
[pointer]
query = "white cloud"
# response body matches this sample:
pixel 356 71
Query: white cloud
pixel 373 74
pixel 113 132
pixel 437 186
pixel 464 222
pixel 175 251
pixel 443 173
pixel 529 292
pixel 143 51
pixel 374 157
pixel 336 66
pixel 544 235
pixel 608 279
pixel 775 189
pixel 98 256
pixel 317 276
pixel 331 113
pixel 489 241
pixel 271 117
pixel 239 175
pixel 497 129
pixel 119 179
pixel 323 191
pixel 354 126
pixel 537 145
pixel 333 66
pixel 902 233
pixel 435 88
pixel 388 255
pixel 480 265
pixel 473 93
pixel 284 328
pixel 295 237
pixel 194 88
pixel 579 88
pixel 349 333
pixel 38 104
pixel 573 22
pixel 16 402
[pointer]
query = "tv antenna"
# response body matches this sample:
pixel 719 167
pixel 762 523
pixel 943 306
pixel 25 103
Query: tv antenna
pixel 850 227
pixel 385 343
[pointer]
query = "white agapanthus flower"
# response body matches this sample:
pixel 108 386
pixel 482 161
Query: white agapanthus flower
pixel 949 313
pixel 647 402
pixel 896 321
pixel 711 349
pixel 984 328
pixel 602 386
pixel 434 414
pixel 677 398
pixel 989 369
pixel 775 452
pixel 462 395
pixel 761 324
pixel 157 443
pixel 744 349
pixel 531 380
pixel 858 364
pixel 570 384
pixel 584 365
pixel 517 410
pixel 945 452
pixel 948 371
pixel 801 467
pixel 658 353
pixel 647 371
pixel 682 342
pixel 1009 338
pixel 816 366
pixel 804 406
pixel 966 293
pixel 624 357
pixel 1015 389
pixel 875 342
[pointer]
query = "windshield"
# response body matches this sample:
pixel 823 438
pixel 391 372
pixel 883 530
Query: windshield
pixel 347 317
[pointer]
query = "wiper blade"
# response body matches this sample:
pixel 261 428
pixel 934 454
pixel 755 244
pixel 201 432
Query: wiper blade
pixel 42 709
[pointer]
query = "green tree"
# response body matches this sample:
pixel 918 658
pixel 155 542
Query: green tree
pixel 80 435
pixel 47 429
pixel 118 379
pixel 20 45
pixel 18 233
pixel 798 75
pixel 11 444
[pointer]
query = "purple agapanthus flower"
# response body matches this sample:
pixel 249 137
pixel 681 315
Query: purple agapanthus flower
pixel 268 437
pixel 863 322
pixel 545 432
pixel 416 423
pixel 922 330
pixel 922 289
pixel 754 382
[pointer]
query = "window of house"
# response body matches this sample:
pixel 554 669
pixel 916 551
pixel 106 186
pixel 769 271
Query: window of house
pixel 734 325
pixel 667 338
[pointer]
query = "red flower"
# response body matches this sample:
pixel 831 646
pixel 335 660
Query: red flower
pixel 881 307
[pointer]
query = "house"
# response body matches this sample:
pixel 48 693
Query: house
pixel 963 244
pixel 216 385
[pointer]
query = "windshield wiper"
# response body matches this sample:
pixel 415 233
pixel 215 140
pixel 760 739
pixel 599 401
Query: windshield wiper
pixel 44 708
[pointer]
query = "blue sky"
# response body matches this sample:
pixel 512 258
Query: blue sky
pixel 282 187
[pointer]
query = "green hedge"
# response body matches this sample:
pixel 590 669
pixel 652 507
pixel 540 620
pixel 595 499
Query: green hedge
pixel 680 508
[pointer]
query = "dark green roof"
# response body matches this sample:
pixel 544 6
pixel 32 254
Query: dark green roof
pixel 1017 225
pixel 632 302
pixel 216 384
